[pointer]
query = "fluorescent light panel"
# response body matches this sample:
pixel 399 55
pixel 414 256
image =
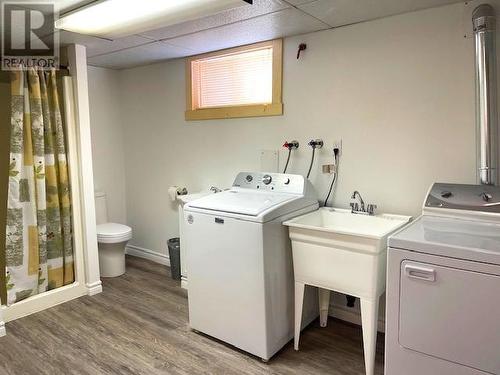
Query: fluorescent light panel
pixel 118 18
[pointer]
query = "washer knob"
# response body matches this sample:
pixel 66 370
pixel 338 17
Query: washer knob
pixel 249 178
pixel 446 194
pixel 287 181
pixel 267 179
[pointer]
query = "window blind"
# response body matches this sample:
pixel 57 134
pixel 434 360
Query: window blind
pixel 243 78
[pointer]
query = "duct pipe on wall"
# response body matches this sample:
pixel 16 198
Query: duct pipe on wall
pixel 484 23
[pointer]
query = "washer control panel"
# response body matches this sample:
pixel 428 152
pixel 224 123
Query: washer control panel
pixel 484 198
pixel 266 179
pixel 276 182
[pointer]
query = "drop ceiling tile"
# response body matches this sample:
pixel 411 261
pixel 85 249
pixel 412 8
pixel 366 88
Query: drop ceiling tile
pixel 279 24
pixel 141 55
pixel 343 12
pixel 98 46
pixel 258 8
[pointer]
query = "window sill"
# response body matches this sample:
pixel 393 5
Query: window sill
pixel 258 110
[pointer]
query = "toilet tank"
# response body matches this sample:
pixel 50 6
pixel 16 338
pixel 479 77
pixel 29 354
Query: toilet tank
pixel 101 211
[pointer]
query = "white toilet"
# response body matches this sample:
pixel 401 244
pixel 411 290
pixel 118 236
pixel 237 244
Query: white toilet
pixel 112 239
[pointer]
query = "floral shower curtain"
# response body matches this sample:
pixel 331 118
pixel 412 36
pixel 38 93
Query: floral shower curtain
pixel 39 248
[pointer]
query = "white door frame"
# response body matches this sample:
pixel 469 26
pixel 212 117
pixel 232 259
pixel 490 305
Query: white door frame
pixel 77 59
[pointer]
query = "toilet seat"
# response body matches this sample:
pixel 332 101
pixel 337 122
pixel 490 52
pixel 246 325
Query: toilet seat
pixel 113 233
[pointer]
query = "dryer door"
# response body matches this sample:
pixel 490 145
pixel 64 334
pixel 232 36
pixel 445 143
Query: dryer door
pixel 452 314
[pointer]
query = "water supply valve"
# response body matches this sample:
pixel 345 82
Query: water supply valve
pixel 293 145
pixel 316 143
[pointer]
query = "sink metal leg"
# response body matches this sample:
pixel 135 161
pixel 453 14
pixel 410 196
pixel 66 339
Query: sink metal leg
pixel 324 304
pixel 299 303
pixel 369 318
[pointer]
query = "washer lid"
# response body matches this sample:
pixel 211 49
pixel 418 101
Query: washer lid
pixel 112 230
pixel 450 237
pixel 242 201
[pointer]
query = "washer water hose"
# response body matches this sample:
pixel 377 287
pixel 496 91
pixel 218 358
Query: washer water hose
pixel 287 159
pixel 312 161
pixel 315 143
pixel 293 145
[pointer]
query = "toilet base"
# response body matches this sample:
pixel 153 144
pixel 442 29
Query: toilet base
pixel 112 259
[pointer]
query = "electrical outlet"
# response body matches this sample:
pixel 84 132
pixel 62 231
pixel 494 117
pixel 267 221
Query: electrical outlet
pixel 328 168
pixel 337 144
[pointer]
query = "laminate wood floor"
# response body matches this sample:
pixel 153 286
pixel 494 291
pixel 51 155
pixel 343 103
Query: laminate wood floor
pixel 139 325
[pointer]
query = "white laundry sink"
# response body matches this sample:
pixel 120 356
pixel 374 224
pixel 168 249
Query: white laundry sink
pixel 334 249
pixel 334 246
pixel 341 221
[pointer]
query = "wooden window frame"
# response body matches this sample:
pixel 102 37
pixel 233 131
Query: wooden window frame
pixel 237 111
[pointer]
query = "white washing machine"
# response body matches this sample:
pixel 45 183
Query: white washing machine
pixel 443 286
pixel 240 263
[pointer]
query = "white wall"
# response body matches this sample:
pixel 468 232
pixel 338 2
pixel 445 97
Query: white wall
pixel 107 140
pixel 399 92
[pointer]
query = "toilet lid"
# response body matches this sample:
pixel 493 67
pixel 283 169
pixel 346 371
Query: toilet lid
pixel 112 230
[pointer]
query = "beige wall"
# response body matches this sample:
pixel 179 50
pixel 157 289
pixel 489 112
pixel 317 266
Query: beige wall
pixel 107 140
pixel 398 91
pixel 4 171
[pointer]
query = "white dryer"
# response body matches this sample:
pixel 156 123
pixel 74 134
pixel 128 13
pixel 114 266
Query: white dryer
pixel 240 263
pixel 443 286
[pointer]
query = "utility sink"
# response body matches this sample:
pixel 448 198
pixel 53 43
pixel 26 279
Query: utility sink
pixel 343 222
pixel 334 249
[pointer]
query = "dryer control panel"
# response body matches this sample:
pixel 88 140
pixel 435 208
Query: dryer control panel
pixel 483 198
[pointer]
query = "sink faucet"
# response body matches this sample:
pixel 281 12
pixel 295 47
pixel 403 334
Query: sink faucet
pixel 359 208
pixel 215 189
pixel 355 206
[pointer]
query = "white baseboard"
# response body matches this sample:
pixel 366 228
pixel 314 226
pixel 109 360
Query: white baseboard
pixel 94 288
pixel 42 301
pixel 352 316
pixel 337 311
pixel 151 255
pixel 184 283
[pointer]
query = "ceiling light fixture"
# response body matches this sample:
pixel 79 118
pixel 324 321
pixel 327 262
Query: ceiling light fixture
pixel 113 19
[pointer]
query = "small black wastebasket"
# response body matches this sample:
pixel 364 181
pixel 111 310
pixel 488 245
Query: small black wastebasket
pixel 174 251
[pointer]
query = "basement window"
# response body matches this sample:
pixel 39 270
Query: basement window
pixel 236 82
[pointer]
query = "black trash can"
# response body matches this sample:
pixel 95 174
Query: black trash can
pixel 174 251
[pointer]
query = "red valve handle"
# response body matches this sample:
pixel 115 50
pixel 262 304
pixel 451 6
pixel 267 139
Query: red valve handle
pixel 287 145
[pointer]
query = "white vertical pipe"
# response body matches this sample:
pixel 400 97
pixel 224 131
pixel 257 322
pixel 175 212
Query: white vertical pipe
pixel 484 23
